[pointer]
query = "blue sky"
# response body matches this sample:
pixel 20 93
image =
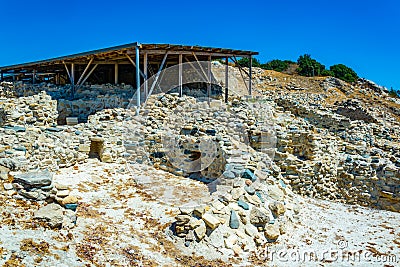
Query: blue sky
pixel 364 35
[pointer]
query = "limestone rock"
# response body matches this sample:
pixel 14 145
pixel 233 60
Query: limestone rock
pixel 234 220
pixel 211 221
pixel 275 192
pixel 272 232
pixel 243 204
pixel 52 214
pixel 258 216
pixel 8 186
pixel 200 231
pixel 69 200
pixel 34 179
pixel 62 193
pixel 231 241
pixel 277 208
pixel 4 172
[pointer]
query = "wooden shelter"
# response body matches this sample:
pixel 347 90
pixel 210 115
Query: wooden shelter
pixel 114 65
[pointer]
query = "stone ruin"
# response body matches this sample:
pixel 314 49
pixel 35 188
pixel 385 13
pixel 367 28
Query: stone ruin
pixel 253 154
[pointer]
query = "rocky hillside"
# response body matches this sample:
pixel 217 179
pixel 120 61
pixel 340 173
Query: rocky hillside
pixel 187 183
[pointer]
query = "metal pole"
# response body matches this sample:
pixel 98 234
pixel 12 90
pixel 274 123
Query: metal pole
pixel 116 73
pixel 146 89
pixel 73 79
pixel 180 76
pixel 33 76
pixel 250 74
pixel 209 80
pixel 137 80
pixel 226 79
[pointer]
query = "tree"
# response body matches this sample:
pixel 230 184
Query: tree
pixel 309 66
pixel 277 65
pixel 327 73
pixel 245 62
pixel 344 73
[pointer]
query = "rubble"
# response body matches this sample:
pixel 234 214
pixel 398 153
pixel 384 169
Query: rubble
pixel 255 155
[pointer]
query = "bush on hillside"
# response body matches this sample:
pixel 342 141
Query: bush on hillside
pixel 394 93
pixel 344 73
pixel 277 65
pixel 327 73
pixel 245 62
pixel 309 67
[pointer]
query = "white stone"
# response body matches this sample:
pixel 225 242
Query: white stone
pixel 231 241
pixel 211 221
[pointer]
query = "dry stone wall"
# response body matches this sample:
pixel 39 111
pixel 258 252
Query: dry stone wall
pixel 318 152
pixel 327 155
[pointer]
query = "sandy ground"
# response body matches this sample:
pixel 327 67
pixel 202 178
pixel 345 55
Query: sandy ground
pixel 124 216
pixel 335 234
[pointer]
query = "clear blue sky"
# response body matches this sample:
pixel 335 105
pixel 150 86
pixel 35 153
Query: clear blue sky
pixel 364 35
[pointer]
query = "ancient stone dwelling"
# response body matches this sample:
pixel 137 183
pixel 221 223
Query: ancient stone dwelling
pixel 256 142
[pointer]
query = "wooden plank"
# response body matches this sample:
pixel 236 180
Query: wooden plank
pixel 86 69
pixel 88 75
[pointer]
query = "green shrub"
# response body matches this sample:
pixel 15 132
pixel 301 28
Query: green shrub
pixel 327 73
pixel 344 73
pixel 245 62
pixel 309 67
pixel 394 93
pixel 277 65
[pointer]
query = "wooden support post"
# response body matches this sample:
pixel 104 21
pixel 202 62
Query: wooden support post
pixel 116 73
pixel 33 76
pixel 209 80
pixel 134 65
pixel 88 75
pixel 1 76
pixel 198 63
pixel 146 84
pixel 251 63
pixel 84 72
pixel 226 79
pixel 137 80
pixel 69 74
pixel 191 64
pixel 240 70
pixel 158 74
pixel 180 76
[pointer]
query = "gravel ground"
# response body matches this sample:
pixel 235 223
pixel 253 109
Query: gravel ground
pixel 124 216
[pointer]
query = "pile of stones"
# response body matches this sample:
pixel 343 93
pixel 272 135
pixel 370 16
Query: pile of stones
pixel 58 210
pixel 37 110
pixel 38 186
pixel 340 152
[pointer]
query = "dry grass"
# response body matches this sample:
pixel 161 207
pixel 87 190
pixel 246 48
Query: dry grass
pixel 13 261
pixel 35 248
